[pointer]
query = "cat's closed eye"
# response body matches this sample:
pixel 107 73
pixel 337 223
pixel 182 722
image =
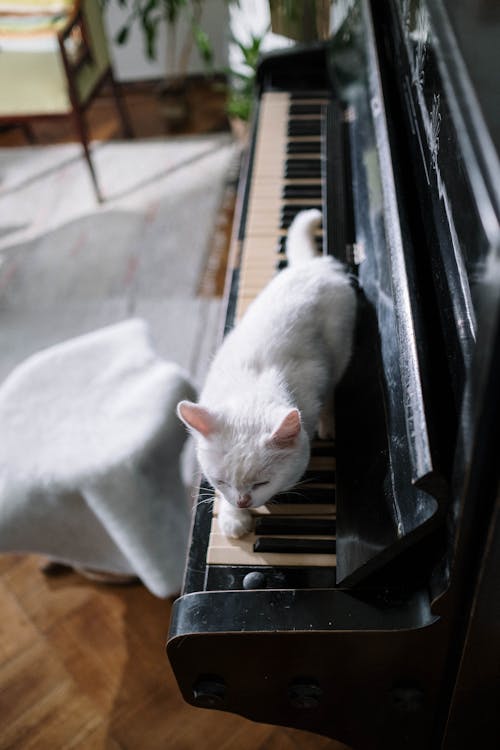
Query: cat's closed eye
pixel 220 481
pixel 259 484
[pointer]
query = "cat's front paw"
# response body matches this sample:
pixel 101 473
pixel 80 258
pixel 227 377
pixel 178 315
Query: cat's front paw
pixel 234 522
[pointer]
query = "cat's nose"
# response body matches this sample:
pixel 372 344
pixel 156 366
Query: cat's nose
pixel 244 501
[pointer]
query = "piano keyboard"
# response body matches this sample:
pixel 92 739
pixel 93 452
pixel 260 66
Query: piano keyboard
pixel 296 531
pixel 286 178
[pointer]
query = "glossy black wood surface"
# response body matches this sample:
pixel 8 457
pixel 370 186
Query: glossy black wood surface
pixel 395 652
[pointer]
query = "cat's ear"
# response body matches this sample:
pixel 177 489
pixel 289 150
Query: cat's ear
pixel 197 418
pixel 285 435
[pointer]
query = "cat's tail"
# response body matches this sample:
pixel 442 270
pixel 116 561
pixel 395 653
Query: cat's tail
pixel 300 244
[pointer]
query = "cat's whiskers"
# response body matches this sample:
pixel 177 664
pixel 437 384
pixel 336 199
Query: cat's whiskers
pixel 201 492
pixel 205 493
pixel 289 492
pixel 202 488
pixel 301 482
pixel 205 500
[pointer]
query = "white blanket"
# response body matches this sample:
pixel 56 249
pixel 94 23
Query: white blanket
pixel 89 457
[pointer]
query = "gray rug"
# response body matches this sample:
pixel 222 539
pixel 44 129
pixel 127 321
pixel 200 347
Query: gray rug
pixel 69 265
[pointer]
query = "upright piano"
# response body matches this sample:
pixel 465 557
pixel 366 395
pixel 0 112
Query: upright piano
pixel 365 606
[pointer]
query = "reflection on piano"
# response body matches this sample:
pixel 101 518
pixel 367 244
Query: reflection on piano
pixel 366 605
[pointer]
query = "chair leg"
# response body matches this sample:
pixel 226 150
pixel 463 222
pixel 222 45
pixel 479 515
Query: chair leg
pixel 28 132
pixel 82 132
pixel 121 107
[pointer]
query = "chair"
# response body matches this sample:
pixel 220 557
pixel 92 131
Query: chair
pixel 53 59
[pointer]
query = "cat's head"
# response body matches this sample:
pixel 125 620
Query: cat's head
pixel 248 460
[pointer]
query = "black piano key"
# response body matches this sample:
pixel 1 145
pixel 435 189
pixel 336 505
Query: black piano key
pixel 300 169
pixel 281 244
pixel 289 526
pixel 292 172
pixel 315 475
pixel 285 221
pixel 301 190
pixel 314 495
pixel 311 108
pixel 296 207
pixel 303 147
pixel 303 159
pixel 323 447
pixel 295 546
pixel 309 94
pixel 304 127
pixel 303 162
pixel 297 171
pixel 287 215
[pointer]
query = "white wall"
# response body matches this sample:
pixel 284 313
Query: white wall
pixel 220 19
pixel 130 60
pixel 252 17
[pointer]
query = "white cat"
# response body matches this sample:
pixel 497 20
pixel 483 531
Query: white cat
pixel 265 389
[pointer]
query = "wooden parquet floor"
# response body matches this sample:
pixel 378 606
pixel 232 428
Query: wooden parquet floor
pixel 83 665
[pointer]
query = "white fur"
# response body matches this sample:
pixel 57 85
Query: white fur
pixel 288 352
pixel 89 457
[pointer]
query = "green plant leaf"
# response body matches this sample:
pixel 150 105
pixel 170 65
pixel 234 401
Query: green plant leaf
pixel 150 33
pixel 172 9
pixel 122 35
pixel 239 107
pixel 203 44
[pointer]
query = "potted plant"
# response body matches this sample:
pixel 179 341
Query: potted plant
pixel 241 83
pixel 302 20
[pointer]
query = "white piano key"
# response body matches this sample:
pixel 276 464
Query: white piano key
pixel 225 551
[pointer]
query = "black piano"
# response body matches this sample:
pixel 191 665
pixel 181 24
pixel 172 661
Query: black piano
pixel 366 605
